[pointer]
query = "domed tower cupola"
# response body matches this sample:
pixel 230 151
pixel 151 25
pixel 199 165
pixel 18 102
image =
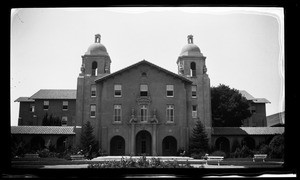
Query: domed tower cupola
pixel 96 60
pixel 191 61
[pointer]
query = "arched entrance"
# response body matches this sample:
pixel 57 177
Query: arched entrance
pixel 143 143
pixel 249 142
pixel 222 144
pixel 169 146
pixel 37 143
pixel 117 146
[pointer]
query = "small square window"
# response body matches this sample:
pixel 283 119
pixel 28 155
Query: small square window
pixel 65 105
pixel 194 111
pixel 194 91
pixel 143 90
pixel 46 105
pixel 64 121
pixel 118 90
pixel 170 90
pixel 93 111
pixel 93 90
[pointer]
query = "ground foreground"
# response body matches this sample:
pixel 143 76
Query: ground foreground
pixel 56 163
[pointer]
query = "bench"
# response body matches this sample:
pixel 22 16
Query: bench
pixel 259 156
pixel 215 158
pixel 31 155
pixel 77 157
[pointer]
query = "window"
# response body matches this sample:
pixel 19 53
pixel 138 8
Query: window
pixel 194 111
pixel 65 105
pixel 93 90
pixel 46 105
pixel 143 90
pixel 94 68
pixel 144 113
pixel 31 109
pixel 117 113
pixel 118 90
pixel 194 91
pixel 170 113
pixel 170 90
pixel 93 111
pixel 193 69
pixel 64 121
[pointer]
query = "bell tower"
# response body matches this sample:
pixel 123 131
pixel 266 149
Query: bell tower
pixel 95 64
pixel 191 64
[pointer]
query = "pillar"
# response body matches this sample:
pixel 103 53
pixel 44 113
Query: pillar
pixel 154 140
pixel 132 140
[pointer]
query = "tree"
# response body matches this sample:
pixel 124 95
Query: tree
pixel 277 146
pixel 198 140
pixel 87 137
pixel 229 107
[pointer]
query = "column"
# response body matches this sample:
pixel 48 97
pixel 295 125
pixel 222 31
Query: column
pixel 132 140
pixel 154 140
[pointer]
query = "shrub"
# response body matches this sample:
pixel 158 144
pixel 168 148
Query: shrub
pixel 142 162
pixel 277 147
pixel 218 153
pixel 198 155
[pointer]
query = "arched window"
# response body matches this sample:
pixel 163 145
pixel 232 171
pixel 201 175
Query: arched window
pixel 193 69
pixel 94 68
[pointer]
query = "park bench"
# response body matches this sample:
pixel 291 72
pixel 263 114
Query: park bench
pixel 77 157
pixel 214 158
pixel 31 155
pixel 259 156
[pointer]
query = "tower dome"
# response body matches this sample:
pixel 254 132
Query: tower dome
pixel 97 48
pixel 191 49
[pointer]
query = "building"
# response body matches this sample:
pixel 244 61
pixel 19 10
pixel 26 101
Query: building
pixel 141 109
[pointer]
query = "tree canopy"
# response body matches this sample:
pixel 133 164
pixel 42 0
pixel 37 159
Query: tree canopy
pixel 87 137
pixel 51 120
pixel 229 107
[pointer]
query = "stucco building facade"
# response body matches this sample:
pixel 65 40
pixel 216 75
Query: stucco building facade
pixel 140 109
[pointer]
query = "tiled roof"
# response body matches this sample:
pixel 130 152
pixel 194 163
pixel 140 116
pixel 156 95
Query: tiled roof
pixel 143 62
pixel 276 119
pixel 24 99
pixel 246 95
pixel 247 130
pixel 55 94
pixel 249 97
pixel 42 130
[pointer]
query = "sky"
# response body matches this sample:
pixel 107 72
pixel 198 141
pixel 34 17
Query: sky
pixel 244 46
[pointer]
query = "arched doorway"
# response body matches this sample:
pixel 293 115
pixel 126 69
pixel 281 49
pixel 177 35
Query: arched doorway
pixel 223 144
pixel 169 146
pixel 249 142
pixel 37 143
pixel 117 146
pixel 143 143
pixel 61 143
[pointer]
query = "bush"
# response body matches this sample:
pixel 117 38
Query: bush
pixel 277 147
pixel 244 152
pixel 218 153
pixel 198 155
pixel 139 163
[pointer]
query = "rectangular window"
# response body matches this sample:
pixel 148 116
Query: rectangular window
pixel 144 113
pixel 65 105
pixel 170 90
pixel 93 90
pixel 93 111
pixel 46 105
pixel 117 113
pixel 64 121
pixel 31 109
pixel 118 90
pixel 194 91
pixel 170 113
pixel 143 90
pixel 194 111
